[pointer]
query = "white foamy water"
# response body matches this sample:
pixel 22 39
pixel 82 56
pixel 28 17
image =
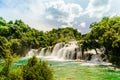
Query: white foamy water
pixel 68 52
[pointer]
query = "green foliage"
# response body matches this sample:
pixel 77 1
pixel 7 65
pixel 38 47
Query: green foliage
pixel 63 35
pixel 37 70
pixel 6 69
pixel 2 22
pixel 4 31
pixel 4 47
pixel 106 33
pixel 34 70
pixel 16 37
pixel 7 73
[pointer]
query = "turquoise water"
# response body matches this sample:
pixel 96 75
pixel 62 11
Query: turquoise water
pixel 23 61
pixel 64 70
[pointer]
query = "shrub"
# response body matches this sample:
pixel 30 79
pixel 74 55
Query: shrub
pixel 34 70
pixel 37 70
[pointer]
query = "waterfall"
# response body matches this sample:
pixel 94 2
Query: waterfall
pixel 61 51
pixel 69 51
pixel 66 51
pixel 48 52
pixel 56 49
pixel 31 53
pixel 42 52
pixel 96 59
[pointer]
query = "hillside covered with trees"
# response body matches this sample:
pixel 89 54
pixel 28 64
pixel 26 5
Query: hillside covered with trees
pixel 16 37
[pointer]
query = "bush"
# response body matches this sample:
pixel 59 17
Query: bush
pixel 34 70
pixel 37 70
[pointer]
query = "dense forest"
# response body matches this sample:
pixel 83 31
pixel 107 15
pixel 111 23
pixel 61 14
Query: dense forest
pixel 16 37
pixel 105 33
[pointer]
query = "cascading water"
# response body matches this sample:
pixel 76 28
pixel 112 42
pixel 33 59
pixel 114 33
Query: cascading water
pixel 56 49
pixel 61 51
pixel 69 51
pixel 42 52
pixel 31 53
pixel 48 52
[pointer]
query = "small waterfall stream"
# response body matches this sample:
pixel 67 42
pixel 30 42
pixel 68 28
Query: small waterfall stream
pixel 42 52
pixel 31 53
pixel 56 49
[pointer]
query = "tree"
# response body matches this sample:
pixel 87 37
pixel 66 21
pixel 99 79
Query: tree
pixel 7 73
pixel 106 32
pixel 37 70
pixel 34 70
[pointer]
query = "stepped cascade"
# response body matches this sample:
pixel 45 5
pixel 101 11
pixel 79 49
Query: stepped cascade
pixel 69 51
